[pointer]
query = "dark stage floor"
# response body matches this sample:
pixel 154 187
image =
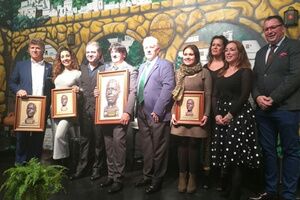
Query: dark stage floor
pixel 84 189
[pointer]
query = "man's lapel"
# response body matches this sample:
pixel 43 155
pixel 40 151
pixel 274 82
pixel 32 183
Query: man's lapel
pixel 152 70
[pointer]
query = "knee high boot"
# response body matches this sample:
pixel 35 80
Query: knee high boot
pixel 182 182
pixel 192 186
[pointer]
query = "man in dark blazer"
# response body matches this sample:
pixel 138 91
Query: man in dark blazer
pixel 91 138
pixel 26 80
pixel 277 93
pixel 155 85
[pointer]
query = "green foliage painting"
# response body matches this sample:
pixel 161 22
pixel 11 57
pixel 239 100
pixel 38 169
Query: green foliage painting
pixel 76 3
pixel 111 1
pixel 135 54
pixel 80 3
pixel 8 11
pixel 55 3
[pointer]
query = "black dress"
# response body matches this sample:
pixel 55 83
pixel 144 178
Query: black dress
pixel 205 147
pixel 235 143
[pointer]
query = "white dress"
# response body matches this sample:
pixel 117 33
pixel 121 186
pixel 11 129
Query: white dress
pixel 67 78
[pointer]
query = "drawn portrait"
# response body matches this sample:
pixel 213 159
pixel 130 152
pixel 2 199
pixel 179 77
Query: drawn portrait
pixel 110 104
pixel 64 103
pixel 191 109
pixel 112 95
pixel 190 103
pixel 30 113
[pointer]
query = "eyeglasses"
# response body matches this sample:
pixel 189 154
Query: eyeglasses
pixel 271 28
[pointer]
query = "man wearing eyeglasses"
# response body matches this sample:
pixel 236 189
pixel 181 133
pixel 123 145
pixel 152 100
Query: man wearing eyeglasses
pixel 277 94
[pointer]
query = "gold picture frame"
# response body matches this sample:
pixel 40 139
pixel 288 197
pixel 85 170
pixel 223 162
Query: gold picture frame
pixel 110 104
pixel 30 113
pixel 64 103
pixel 191 109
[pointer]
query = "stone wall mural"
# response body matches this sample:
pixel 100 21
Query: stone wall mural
pixel 201 38
pixel 5 64
pixel 173 22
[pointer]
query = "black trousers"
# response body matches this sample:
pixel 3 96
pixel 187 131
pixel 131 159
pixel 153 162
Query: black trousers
pixel 92 147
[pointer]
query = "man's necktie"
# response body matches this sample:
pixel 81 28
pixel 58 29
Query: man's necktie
pixel 142 81
pixel 271 54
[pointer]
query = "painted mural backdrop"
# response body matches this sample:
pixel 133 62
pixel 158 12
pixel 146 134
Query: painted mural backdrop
pixel 134 48
pixel 20 14
pixel 251 40
pixel 173 22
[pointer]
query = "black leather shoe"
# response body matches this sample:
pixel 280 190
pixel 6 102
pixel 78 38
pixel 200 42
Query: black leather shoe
pixel 95 176
pixel 107 182
pixel 153 188
pixel 206 184
pixel 75 176
pixel 263 196
pixel 115 187
pixel 142 182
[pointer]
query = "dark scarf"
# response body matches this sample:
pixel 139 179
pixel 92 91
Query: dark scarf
pixel 183 72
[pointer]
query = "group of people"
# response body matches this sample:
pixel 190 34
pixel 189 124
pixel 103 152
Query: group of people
pixel 232 132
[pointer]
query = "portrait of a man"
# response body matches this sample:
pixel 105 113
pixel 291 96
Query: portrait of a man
pixel 112 94
pixel 189 107
pixel 64 102
pixel 30 111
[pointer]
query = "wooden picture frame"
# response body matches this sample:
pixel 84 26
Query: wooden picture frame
pixel 30 113
pixel 110 104
pixel 191 109
pixel 64 103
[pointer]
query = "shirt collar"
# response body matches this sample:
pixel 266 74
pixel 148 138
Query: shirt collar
pixel 40 62
pixel 279 43
pixel 92 68
pixel 152 62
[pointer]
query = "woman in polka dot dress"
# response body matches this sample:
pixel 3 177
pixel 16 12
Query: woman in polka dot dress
pixel 234 144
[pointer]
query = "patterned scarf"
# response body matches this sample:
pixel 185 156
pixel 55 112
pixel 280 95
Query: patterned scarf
pixel 184 71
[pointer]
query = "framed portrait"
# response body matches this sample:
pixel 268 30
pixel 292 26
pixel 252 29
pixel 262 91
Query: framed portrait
pixel 191 109
pixel 30 113
pixel 110 104
pixel 64 103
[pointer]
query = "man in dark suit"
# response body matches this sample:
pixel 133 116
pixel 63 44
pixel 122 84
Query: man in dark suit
pixel 91 138
pixel 32 77
pixel 277 93
pixel 155 85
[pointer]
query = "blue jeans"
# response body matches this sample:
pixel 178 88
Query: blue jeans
pixel 285 124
